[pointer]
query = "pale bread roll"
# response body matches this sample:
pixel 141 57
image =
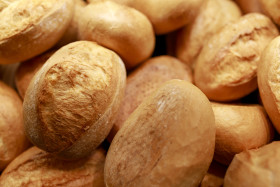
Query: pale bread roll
pixel 238 128
pixel 72 101
pixel 37 168
pixel 122 29
pixel 167 141
pixel 12 138
pixel 268 81
pixel 28 28
pixel 258 168
pixel 226 68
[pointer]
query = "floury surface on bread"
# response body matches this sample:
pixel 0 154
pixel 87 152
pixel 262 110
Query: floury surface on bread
pixel 28 28
pixel 71 102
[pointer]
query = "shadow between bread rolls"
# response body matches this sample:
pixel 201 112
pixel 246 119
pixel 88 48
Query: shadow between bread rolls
pixel 71 103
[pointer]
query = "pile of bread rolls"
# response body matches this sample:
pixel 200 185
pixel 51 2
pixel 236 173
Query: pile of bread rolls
pixel 139 93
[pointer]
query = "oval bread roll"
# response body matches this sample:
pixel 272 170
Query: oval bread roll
pixel 122 29
pixel 37 168
pixel 213 15
pixel 28 28
pixel 72 101
pixel 167 141
pixel 226 68
pixel 168 15
pixel 238 128
pixel 12 138
pixel 26 71
pixel 268 81
pixel 145 80
pixel 258 167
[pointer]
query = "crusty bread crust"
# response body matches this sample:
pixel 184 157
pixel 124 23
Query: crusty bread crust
pixel 35 167
pixel 71 102
pixel 167 141
pixel 28 28
pixel 226 68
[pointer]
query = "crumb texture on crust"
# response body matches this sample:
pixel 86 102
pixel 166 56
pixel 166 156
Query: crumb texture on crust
pixel 38 168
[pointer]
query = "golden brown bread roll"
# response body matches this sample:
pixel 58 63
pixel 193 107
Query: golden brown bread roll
pixel 167 141
pixel 71 34
pixel 122 29
pixel 213 15
pixel 271 8
pixel 72 101
pixel 226 68
pixel 268 81
pixel 26 71
pixel 146 79
pixel 37 168
pixel 238 128
pixel 28 28
pixel 258 167
pixel 12 138
pixel 248 6
pixel 168 15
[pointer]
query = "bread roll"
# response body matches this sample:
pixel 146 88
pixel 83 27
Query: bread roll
pixel 258 167
pixel 122 29
pixel 38 168
pixel 166 16
pixel 26 71
pixel 238 128
pixel 226 68
pixel 167 141
pixel 5 3
pixel 12 138
pixel 213 15
pixel 28 28
pixel 146 79
pixel 72 101
pixel 268 81
pixel 272 8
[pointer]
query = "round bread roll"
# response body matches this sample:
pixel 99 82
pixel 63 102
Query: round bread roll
pixel 258 168
pixel 248 6
pixel 26 71
pixel 37 168
pixel 268 81
pixel 213 15
pixel 238 128
pixel 168 15
pixel 214 176
pixel 272 8
pixel 122 29
pixel 226 68
pixel 28 28
pixel 167 141
pixel 12 138
pixel 72 101
pixel 71 34
pixel 146 79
